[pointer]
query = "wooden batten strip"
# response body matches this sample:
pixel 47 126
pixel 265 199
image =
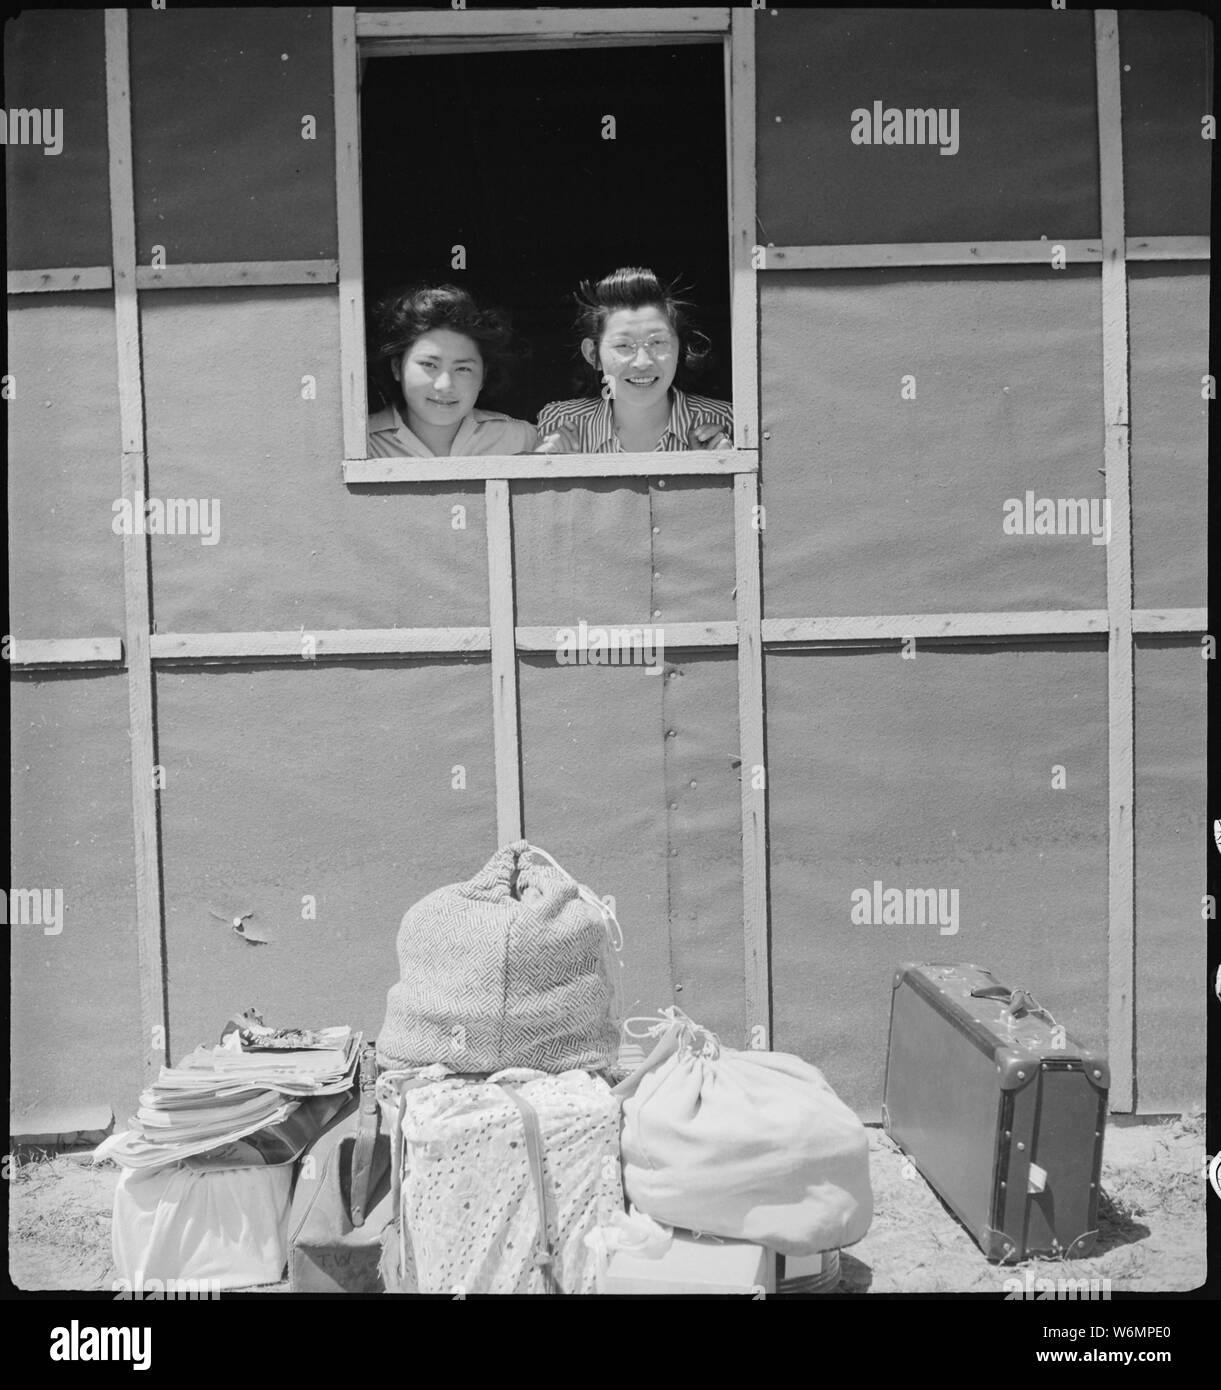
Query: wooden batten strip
pixel 740 152
pixel 896 626
pixel 882 256
pixel 351 250
pixel 879 256
pixel 481 468
pixel 472 24
pixel 229 274
pixel 65 651
pixel 530 43
pixel 747 525
pixel 305 644
pixel 89 277
pixel 675 636
pixel 150 941
pixel 505 734
pixel 753 771
pixel 1121 866
pixel 1152 620
pixel 1168 248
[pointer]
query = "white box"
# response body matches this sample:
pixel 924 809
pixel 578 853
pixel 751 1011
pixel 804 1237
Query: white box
pixel 695 1264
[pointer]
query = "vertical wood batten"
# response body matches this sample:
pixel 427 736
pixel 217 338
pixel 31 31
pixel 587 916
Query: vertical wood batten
pixel 505 737
pixel 351 252
pixel 748 595
pixel 745 300
pixel 150 936
pixel 1121 870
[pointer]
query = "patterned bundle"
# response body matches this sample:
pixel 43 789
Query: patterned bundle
pixel 471 1190
pixel 510 969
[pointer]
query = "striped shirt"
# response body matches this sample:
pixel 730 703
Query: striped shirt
pixel 594 422
pixel 482 432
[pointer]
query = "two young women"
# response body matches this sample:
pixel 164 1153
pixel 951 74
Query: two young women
pixel 441 350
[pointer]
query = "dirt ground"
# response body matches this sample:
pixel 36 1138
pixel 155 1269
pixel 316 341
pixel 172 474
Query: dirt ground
pixel 1151 1229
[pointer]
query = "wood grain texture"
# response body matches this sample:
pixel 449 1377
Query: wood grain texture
pixel 896 626
pixel 305 645
pixel 757 962
pixel 1121 874
pixel 744 303
pixel 505 728
pixel 226 274
pixel 90 277
pixel 1170 620
pixel 543 638
pixel 351 247
pixel 65 651
pixel 150 929
pixel 471 24
pixel 880 255
pixel 480 468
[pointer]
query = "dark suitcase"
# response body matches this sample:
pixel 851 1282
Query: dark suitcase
pixel 998 1108
pixel 342 1201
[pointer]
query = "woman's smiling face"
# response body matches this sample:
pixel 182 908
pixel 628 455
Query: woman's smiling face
pixel 441 375
pixel 638 350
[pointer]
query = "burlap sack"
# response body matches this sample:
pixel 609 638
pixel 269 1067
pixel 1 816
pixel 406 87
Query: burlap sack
pixel 489 981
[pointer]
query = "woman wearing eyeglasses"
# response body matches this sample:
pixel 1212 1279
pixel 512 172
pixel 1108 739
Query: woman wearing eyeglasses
pixel 635 335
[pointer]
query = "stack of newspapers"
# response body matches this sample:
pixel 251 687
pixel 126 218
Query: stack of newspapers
pixel 221 1094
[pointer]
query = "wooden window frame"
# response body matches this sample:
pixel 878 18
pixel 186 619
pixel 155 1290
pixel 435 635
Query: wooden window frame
pixel 359 36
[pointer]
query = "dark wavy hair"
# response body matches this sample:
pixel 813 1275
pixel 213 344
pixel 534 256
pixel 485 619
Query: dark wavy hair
pixel 636 287
pixel 404 316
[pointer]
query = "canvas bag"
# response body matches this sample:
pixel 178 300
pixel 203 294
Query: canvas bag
pixel 488 981
pixel 755 1146
pixel 341 1202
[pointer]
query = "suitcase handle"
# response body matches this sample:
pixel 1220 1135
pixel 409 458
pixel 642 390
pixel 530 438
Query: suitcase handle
pixel 1020 1001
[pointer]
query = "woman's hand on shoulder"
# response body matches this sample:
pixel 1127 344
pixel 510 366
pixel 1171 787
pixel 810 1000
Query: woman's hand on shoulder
pixel 708 436
pixel 561 440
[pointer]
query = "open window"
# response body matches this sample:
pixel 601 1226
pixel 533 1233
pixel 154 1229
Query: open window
pixel 517 152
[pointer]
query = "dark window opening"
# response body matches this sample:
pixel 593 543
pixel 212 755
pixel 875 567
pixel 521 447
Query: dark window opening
pixel 503 154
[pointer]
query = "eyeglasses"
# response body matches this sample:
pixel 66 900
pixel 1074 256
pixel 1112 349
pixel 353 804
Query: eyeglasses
pixel 658 348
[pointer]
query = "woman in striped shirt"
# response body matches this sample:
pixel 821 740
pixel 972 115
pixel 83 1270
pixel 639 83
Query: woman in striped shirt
pixel 634 337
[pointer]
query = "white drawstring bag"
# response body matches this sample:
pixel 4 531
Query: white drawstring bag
pixel 755 1146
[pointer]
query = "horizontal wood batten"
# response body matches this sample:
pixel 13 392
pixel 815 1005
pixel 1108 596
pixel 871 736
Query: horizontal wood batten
pixel 355 642
pixel 222 274
pixel 227 274
pixel 441 641
pixel 480 468
pixel 430 47
pixel 1168 248
pixel 673 635
pixel 896 626
pixel 472 24
pixel 89 277
pixel 881 256
pixel 66 651
pixel 1169 620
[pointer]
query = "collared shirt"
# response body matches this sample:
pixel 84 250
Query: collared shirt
pixel 482 432
pixel 594 421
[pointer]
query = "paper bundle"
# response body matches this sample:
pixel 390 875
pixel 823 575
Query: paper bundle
pixel 219 1094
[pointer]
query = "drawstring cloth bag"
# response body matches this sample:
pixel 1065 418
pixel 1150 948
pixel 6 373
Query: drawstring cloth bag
pixel 512 968
pixel 754 1146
